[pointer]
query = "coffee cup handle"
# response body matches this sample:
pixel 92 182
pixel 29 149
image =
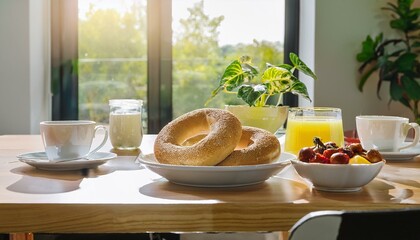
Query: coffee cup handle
pixel 97 128
pixel 415 127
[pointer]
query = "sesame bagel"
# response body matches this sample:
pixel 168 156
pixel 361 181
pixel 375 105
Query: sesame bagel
pixel 256 146
pixel 202 137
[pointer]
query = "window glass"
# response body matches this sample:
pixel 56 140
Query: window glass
pixel 209 34
pixel 112 54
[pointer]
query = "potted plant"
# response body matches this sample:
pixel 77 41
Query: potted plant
pixel 396 59
pixel 256 89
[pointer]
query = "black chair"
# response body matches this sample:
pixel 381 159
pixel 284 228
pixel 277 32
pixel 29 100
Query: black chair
pixel 342 225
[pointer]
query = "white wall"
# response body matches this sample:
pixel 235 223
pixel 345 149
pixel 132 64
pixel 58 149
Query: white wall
pixel 40 63
pixel 340 28
pixel 23 71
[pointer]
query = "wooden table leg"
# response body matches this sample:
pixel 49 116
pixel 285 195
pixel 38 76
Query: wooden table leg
pixel 284 235
pixel 21 236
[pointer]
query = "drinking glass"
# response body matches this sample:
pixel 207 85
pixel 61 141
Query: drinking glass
pixel 125 123
pixel 303 124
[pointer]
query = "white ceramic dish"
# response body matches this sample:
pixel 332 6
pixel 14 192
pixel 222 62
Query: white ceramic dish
pixel 216 176
pixel 403 155
pixel 399 156
pixel 337 177
pixel 40 161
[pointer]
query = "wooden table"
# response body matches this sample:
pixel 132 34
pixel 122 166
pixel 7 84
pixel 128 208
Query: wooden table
pixel 120 197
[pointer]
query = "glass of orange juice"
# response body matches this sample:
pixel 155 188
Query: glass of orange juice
pixel 303 124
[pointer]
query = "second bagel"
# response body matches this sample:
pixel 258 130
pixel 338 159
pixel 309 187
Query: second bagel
pixel 257 146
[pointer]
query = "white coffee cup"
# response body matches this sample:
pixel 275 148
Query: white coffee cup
pixel 385 133
pixel 69 140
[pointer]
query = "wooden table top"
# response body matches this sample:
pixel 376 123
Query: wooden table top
pixel 121 197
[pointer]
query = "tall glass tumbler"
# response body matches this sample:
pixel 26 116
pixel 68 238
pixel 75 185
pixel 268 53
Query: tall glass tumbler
pixel 125 123
pixel 303 124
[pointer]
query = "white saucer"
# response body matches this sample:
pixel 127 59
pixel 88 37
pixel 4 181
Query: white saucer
pixel 40 161
pixel 403 155
pixel 399 156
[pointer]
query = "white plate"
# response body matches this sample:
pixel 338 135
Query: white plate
pixel 40 161
pixel 216 176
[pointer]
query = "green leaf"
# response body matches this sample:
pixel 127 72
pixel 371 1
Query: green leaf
pixel 405 62
pixel 396 91
pixel 412 88
pixel 387 69
pixel 285 66
pixel 399 24
pixel 415 44
pixel 392 8
pixel 251 70
pixel 233 76
pixel 405 102
pixel 250 94
pixel 301 66
pixel 279 79
pixel 299 87
pixel 369 49
pixel 274 74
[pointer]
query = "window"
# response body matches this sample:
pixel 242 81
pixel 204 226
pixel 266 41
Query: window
pixel 170 53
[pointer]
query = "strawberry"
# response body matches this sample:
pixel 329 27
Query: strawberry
pixel 330 151
pixel 319 158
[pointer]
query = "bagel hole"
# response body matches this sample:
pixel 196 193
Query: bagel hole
pixel 244 143
pixel 194 139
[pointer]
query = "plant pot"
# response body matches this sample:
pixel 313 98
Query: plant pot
pixel 270 118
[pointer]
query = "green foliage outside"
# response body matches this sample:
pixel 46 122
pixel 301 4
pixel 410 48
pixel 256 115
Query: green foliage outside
pixel 113 60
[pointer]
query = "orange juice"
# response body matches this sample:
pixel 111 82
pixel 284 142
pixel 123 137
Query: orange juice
pixel 302 130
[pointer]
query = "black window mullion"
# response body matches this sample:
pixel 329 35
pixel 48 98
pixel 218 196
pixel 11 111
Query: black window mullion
pixel 291 41
pixel 64 59
pixel 159 22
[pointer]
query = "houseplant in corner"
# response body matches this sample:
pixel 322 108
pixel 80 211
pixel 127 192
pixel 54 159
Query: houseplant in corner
pixel 396 59
pixel 258 90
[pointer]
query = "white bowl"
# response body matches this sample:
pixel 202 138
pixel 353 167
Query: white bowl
pixel 338 177
pixel 216 176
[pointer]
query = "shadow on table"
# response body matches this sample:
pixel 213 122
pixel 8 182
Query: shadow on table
pixel 45 182
pixel 285 190
pixel 274 189
pixel 36 181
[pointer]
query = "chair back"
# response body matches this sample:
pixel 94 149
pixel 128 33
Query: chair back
pixel 342 225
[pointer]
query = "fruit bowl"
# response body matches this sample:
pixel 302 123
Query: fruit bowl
pixel 338 177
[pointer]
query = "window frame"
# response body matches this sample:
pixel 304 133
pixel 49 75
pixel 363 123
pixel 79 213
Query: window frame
pixel 64 60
